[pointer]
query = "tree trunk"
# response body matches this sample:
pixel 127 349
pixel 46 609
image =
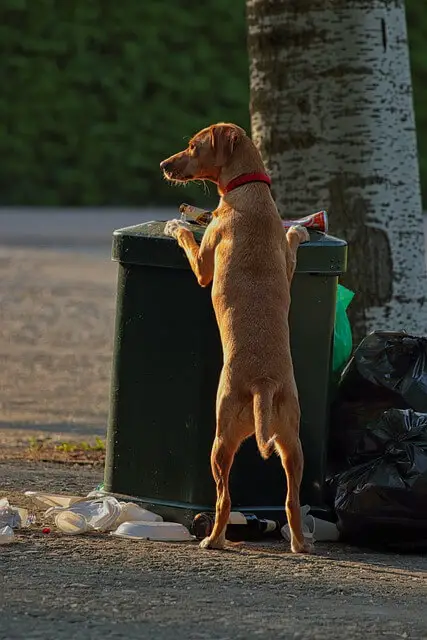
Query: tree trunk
pixel 332 114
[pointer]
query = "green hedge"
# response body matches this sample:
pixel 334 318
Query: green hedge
pixel 416 12
pixel 94 93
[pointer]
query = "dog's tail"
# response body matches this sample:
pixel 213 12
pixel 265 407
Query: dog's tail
pixel 263 393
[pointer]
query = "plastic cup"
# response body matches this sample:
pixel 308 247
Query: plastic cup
pixel 325 531
pixel 71 523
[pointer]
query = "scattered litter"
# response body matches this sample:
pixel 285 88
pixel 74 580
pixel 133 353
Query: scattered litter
pixel 240 527
pixel 98 514
pixel 71 523
pixel 158 531
pixel 131 512
pixel 6 535
pixel 324 531
pixel 46 500
pixel 13 517
pixel 314 529
pixel 46 530
pixel 98 492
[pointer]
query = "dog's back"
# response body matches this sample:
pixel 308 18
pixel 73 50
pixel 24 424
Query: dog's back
pixel 250 288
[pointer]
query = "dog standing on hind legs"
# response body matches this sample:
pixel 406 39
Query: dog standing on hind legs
pixel 250 260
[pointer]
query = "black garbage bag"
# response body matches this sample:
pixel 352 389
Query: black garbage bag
pixel 348 424
pixel 388 370
pixel 388 361
pixel 382 498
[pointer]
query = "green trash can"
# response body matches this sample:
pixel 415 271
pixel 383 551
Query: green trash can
pixel 166 364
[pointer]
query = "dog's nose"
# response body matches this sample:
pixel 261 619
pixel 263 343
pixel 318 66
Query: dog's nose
pixel 164 165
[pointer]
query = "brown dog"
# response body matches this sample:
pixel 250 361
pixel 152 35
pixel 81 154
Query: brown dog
pixel 251 260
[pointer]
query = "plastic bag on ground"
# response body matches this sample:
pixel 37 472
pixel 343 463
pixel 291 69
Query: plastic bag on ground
pixel 388 370
pixel 382 498
pixel 343 341
pixel 99 514
pixel 14 517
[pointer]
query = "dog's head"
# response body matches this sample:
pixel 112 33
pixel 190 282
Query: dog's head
pixel 207 152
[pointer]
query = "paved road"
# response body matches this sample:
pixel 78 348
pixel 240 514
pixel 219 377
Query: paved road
pixel 73 229
pixel 87 230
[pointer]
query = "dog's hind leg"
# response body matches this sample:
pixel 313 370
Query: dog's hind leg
pixel 221 460
pixel 288 446
pixel 231 431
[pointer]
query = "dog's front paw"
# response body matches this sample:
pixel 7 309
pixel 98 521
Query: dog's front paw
pixel 208 543
pixel 301 231
pixel 172 227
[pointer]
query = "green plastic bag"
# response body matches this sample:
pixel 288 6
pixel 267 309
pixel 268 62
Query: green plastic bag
pixel 343 341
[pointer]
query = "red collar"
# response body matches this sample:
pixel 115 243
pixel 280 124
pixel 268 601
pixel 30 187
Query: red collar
pixel 246 178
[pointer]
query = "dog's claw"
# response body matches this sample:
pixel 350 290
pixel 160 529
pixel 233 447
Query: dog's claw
pixel 172 226
pixel 305 547
pixel 207 543
pixel 302 232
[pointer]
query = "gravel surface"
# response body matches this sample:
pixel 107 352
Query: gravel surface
pixel 96 586
pixel 56 327
pixel 56 331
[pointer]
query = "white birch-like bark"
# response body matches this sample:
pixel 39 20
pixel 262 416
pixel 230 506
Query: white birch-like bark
pixel 332 114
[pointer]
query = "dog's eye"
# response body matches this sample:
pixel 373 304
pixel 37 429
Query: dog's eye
pixel 192 147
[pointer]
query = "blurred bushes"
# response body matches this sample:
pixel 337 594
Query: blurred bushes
pixel 416 14
pixel 95 93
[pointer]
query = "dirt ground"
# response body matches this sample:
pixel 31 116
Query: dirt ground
pixel 56 326
pixel 56 329
pixel 96 586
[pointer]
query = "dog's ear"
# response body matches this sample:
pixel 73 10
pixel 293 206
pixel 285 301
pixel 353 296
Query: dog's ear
pixel 224 138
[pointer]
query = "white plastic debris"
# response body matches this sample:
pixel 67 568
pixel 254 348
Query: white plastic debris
pixel 99 514
pixel 71 523
pixel 324 531
pixel 131 512
pixel 158 531
pixel 103 512
pixel 6 535
pixel 14 517
pixel 314 529
pixel 47 500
